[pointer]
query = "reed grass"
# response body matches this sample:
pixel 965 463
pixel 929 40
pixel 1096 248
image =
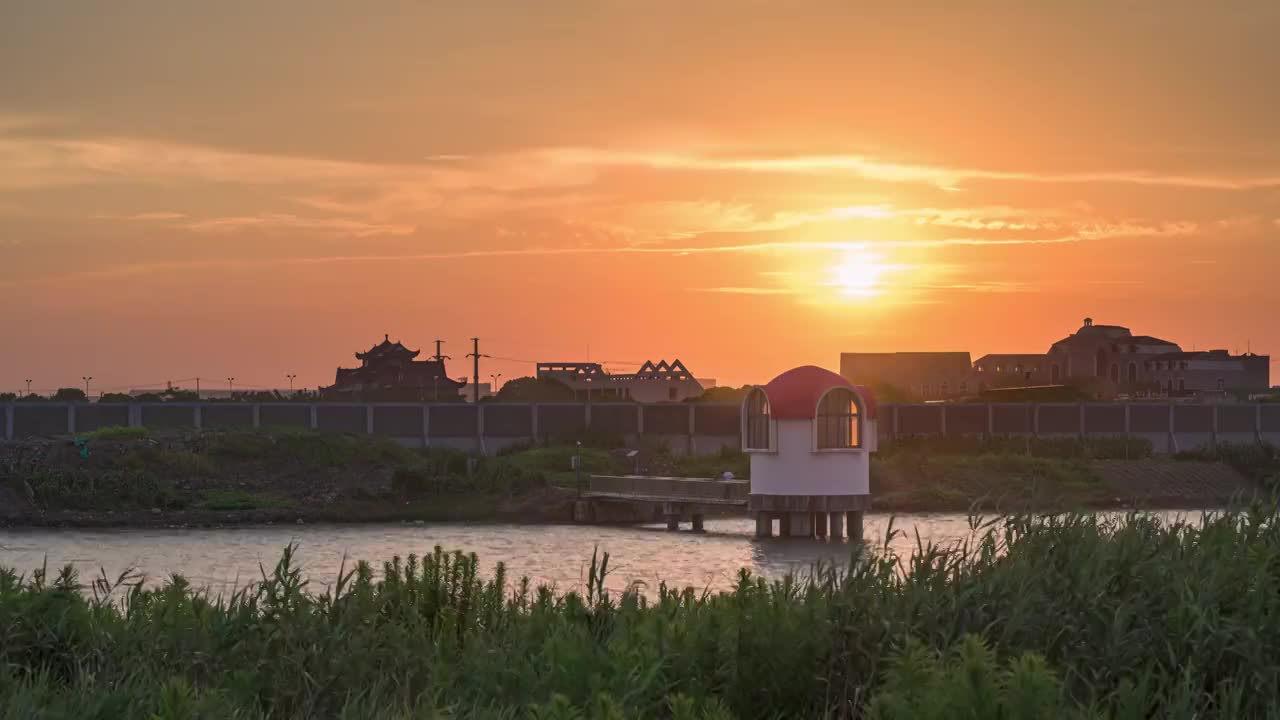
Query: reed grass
pixel 1034 617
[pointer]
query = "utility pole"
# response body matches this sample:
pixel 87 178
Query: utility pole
pixel 197 388
pixel 439 357
pixel 475 370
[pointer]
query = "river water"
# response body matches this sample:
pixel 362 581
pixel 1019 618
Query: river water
pixel 219 560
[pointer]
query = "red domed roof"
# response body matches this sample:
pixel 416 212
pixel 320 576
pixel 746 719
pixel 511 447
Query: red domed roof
pixel 794 394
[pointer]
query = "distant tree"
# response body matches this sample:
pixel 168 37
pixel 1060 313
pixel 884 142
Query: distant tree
pixel 31 398
pixel 724 394
pixel 8 397
pixel 149 398
pixel 70 395
pixel 115 398
pixel 532 389
pixel 179 395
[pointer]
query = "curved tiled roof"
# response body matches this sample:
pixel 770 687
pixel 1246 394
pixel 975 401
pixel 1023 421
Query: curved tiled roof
pixel 794 394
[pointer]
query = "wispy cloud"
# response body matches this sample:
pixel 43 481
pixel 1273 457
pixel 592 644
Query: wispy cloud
pixel 284 221
pixel 748 290
pixel 896 172
pixel 143 216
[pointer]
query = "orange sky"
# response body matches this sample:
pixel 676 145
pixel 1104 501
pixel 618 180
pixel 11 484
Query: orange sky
pixel 224 189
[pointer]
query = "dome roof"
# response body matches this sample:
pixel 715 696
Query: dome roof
pixel 794 394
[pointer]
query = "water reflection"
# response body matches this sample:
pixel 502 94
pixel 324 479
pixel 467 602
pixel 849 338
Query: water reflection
pixel 220 560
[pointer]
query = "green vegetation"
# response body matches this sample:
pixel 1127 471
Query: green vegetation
pixel 306 447
pixel 707 466
pixel 443 472
pixel 1258 461
pixel 293 472
pixel 993 482
pixel 1067 448
pixel 1072 616
pixel 117 433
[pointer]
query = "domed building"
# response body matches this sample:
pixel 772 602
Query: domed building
pixel 810 434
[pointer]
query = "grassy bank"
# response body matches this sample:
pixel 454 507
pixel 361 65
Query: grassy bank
pixel 128 476
pixel 1069 616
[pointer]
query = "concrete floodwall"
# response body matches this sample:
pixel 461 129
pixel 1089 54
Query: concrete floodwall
pixel 681 427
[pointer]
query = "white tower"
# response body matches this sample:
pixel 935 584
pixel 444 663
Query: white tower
pixel 810 434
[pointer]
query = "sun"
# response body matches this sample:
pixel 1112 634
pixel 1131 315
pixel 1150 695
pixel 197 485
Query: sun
pixel 860 274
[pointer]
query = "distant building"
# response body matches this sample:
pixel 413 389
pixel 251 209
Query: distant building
pixel 1110 360
pixel 1103 360
pixel 388 371
pixel 926 375
pixel 653 382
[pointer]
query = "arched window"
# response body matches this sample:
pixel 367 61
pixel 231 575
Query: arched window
pixel 1182 385
pixel 1055 374
pixel 757 420
pixel 1115 373
pixel 837 423
pixel 1133 372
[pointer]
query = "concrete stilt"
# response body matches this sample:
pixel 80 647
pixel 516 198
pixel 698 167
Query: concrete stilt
pixel 820 525
pixel 801 525
pixel 837 525
pixel 855 525
pixel 673 522
pixel 784 525
pixel 764 525
pixel 698 523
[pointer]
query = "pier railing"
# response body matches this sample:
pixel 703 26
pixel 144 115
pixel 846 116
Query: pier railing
pixel 641 488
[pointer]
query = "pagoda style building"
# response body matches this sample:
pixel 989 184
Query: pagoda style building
pixel 389 371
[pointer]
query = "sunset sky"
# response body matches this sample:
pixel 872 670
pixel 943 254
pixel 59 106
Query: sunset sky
pixel 251 189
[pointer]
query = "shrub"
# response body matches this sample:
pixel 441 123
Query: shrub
pixel 1058 616
pixel 118 433
pixel 70 395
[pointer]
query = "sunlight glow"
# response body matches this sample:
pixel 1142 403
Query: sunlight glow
pixel 860 274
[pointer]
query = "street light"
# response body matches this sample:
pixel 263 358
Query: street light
pixel 493 389
pixel 231 387
pixel 291 376
pixel 28 387
pixel 86 379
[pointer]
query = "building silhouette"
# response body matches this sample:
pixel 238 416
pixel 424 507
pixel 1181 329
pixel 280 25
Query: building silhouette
pixel 1103 360
pixel 390 371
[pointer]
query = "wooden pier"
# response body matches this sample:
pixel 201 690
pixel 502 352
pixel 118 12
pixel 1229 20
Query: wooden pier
pixel 688 500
